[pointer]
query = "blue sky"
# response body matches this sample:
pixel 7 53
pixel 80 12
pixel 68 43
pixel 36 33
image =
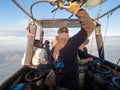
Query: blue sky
pixel 13 21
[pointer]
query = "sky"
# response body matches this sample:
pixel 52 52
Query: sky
pixel 13 22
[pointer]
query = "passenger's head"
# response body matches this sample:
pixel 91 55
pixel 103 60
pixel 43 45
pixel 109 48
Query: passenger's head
pixel 63 32
pixel 47 42
pixel 37 43
pixel 62 29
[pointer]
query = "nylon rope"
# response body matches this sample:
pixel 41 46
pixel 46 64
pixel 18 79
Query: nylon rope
pixel 106 28
pixel 105 32
pixel 97 15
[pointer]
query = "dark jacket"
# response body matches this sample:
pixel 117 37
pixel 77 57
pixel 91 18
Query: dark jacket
pixel 69 78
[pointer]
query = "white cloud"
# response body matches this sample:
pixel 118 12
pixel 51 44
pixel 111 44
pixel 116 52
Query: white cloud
pixel 13 57
pixel 14 36
pixel 12 43
pixel 17 26
pixel 14 29
pixel 19 30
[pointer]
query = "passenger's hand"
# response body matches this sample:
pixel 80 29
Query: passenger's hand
pixel 89 58
pixel 73 7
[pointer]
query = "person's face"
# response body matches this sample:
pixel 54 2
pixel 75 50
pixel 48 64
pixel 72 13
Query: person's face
pixel 37 44
pixel 63 35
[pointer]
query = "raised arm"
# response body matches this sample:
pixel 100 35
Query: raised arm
pixel 83 17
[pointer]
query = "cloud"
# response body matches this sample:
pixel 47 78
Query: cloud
pixel 17 29
pixel 14 36
pixel 13 57
pixel 12 43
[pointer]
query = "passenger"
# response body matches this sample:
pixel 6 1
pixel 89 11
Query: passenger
pixel 53 43
pixel 46 46
pixel 64 54
pixel 39 54
pixel 83 56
